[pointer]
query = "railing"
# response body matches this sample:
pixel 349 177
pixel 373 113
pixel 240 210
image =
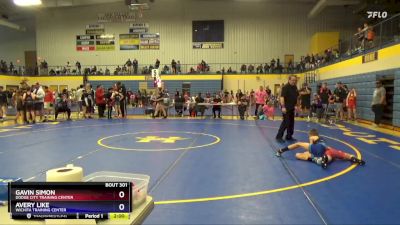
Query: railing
pixel 386 33
pixel 211 68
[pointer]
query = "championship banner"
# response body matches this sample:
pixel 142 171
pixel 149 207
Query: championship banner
pixel 116 17
pixel 85 43
pixel 105 42
pixel 93 29
pixel 129 42
pixel 149 41
pixel 138 28
pixel 211 45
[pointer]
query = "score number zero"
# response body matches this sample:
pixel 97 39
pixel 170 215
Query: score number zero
pixel 121 194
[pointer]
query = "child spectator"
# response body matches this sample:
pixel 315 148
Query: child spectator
pixel 269 110
pixel 48 103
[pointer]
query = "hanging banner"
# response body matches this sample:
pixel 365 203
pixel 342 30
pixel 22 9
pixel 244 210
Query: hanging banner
pixel 149 41
pixel 85 43
pixel 138 30
pixel 105 42
pixel 213 45
pixel 95 29
pixel 116 17
pixel 139 25
pixel 129 41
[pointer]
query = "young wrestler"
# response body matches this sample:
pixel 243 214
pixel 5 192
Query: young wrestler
pixel 318 152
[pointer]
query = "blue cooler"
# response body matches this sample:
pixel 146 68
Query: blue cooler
pixel 4 186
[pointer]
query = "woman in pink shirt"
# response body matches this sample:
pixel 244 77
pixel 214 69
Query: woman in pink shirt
pixel 261 97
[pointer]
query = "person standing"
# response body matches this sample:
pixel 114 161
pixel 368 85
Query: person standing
pixel 305 99
pixel 39 101
pixel 261 97
pixel 3 104
pixel 288 101
pixel 340 97
pixel 100 100
pixel 378 102
pixel 351 103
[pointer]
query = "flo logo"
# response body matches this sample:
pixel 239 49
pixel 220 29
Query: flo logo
pixel 376 14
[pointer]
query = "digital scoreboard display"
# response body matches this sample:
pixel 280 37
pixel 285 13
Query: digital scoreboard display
pixel 66 200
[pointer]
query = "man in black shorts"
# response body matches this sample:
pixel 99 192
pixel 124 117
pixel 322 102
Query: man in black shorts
pixel 305 100
pixel 3 104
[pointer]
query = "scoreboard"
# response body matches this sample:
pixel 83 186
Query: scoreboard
pixel 69 200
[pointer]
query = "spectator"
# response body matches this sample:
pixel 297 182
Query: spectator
pixel 68 68
pixel 48 103
pixel 178 67
pixel 62 105
pixel 251 68
pixel 351 103
pixel 378 102
pixel 324 94
pixel 135 65
pixel 18 103
pixel 100 100
pixel 243 69
pixel 78 67
pixel 200 108
pixel 242 103
pixel 128 64
pixel 173 66
pixel 259 69
pixel 179 102
pixel 3 104
pixel 305 99
pixel 29 103
pixel 107 72
pixel 261 97
pixel 217 107
pixel 110 102
pixel 266 68
pixel 340 98
pixel 88 100
pixel 39 100
pixel 157 64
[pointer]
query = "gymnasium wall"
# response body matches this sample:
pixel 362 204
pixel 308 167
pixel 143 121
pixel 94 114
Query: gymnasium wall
pixel 254 81
pixel 14 43
pixel 388 58
pixel 254 31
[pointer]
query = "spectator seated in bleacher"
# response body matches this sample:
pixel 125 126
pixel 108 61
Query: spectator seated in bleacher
pixel 179 103
pixel 243 69
pixel 251 68
pixel 107 71
pixel 165 70
pixel 200 108
pixel 259 69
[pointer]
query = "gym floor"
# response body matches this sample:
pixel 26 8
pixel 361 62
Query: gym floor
pixel 221 171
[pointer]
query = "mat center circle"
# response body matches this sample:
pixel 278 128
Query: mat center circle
pixel 158 141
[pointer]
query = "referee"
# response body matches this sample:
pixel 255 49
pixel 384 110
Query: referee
pixel 288 100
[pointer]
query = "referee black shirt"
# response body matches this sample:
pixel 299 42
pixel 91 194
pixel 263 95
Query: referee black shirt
pixel 290 94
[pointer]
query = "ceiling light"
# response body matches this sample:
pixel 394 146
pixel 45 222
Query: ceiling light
pixel 27 2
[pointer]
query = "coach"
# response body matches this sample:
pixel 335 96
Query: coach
pixel 288 100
